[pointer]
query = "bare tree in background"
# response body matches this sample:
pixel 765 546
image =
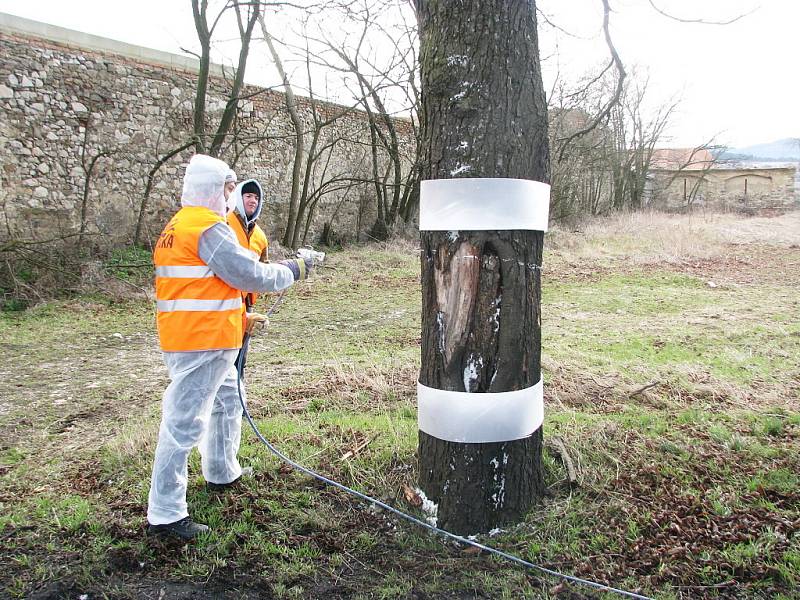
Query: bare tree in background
pixel 695 166
pixel 579 177
pixel 635 138
pixel 89 161
pixel 160 161
pixel 313 177
pixel 395 173
pixel 247 13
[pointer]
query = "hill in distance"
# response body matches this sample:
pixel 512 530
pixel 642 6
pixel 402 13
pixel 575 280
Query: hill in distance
pixel 787 149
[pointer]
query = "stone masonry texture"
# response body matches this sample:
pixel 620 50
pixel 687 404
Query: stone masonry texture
pixel 62 105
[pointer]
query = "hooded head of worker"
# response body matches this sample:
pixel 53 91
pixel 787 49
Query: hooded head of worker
pixel 230 183
pixel 204 184
pixel 248 198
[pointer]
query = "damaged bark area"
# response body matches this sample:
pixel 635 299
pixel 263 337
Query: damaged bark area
pixel 482 333
pixel 483 115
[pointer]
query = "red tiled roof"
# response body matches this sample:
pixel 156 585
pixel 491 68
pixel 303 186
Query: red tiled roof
pixel 681 158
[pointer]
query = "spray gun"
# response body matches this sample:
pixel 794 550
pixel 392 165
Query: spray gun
pixel 308 253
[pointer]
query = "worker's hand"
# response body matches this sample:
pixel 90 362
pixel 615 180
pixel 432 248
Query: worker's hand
pixel 255 321
pixel 301 267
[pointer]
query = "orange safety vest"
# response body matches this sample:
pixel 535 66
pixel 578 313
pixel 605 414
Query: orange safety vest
pixel 259 243
pixel 196 309
pixel 255 241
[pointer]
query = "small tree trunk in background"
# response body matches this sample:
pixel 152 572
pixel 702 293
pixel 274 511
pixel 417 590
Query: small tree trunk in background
pixel 137 235
pixel 199 8
pixel 299 141
pixel 483 115
pixel 232 106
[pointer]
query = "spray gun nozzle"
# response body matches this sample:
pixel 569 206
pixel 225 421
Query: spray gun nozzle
pixel 317 258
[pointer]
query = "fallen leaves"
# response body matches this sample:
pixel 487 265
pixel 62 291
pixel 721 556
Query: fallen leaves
pixel 411 496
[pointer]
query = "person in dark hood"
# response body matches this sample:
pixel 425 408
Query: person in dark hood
pixel 247 200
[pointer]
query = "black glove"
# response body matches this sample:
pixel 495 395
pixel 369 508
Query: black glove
pixel 301 267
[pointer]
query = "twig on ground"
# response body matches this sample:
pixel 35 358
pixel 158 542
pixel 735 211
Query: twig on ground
pixel 642 389
pixel 14 530
pixel 707 587
pixel 356 449
pixel 558 445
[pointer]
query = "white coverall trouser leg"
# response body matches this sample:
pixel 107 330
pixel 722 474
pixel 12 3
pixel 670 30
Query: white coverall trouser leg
pixel 194 413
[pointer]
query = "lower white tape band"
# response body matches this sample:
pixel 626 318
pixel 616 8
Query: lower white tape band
pixel 480 417
pixel 480 204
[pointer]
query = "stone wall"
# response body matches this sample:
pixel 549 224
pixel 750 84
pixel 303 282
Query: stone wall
pixel 746 189
pixel 67 98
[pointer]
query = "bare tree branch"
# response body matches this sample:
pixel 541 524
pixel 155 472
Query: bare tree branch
pixel 603 114
pixel 701 21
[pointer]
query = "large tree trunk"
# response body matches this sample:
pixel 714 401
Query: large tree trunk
pixel 483 115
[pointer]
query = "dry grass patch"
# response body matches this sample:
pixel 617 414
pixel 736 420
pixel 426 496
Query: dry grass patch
pixel 352 387
pixel 730 248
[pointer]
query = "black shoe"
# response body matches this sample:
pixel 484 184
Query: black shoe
pixel 185 529
pixel 221 487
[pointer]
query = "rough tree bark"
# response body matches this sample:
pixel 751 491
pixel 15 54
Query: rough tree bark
pixel 483 115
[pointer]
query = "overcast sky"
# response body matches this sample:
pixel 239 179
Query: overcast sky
pixel 738 82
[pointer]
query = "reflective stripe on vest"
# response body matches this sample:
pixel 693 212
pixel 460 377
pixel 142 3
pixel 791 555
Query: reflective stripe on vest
pixel 198 272
pixel 199 305
pixel 196 309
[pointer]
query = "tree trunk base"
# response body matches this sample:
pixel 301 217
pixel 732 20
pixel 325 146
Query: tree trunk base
pixel 479 487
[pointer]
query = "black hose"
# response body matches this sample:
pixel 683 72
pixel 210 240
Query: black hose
pixel 399 513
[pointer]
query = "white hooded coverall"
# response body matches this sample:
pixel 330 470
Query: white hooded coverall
pixel 193 412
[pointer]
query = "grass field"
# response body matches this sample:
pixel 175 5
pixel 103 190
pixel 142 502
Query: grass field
pixel 671 357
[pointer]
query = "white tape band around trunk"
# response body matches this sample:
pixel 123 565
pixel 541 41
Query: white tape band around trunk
pixel 481 204
pixel 480 417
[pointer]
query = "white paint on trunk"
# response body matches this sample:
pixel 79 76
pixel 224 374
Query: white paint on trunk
pixel 430 508
pixel 440 330
pixel 472 371
pixel 499 480
pixel 457 60
pixel 460 169
pixel 495 318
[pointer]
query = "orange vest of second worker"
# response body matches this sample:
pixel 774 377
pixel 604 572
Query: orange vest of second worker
pixel 196 309
pixel 256 242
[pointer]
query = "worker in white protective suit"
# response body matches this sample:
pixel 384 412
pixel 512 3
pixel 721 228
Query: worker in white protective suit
pixel 201 272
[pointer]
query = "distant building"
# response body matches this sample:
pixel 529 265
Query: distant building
pixel 686 178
